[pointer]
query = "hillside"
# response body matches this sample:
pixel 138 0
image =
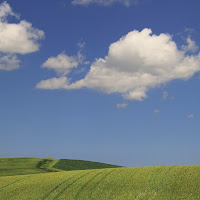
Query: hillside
pixel 22 166
pixel 69 165
pixel 142 183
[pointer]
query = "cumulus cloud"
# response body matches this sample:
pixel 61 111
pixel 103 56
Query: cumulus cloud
pixel 62 64
pixel 136 63
pixel 19 38
pixel 103 2
pixel 16 38
pixel 165 95
pixel 121 105
pixel 54 83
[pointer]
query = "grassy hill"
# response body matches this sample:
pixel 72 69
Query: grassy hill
pixel 22 166
pixel 141 183
pixel 70 165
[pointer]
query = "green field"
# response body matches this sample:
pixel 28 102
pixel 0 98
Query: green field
pixel 169 183
pixel 123 183
pixel 22 166
pixel 70 165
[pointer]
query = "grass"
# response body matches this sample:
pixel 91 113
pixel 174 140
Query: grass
pixel 22 166
pixel 69 165
pixel 140 183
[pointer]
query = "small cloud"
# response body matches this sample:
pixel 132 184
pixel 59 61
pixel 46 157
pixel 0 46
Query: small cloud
pixel 191 46
pixel 189 30
pixel 121 105
pixel 81 44
pixel 81 54
pixel 53 83
pixel 62 64
pixel 191 116
pixel 156 111
pixel 165 95
pixel 9 62
pixel 104 2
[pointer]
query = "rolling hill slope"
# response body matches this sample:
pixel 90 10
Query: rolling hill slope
pixel 69 165
pixel 22 166
pixel 143 183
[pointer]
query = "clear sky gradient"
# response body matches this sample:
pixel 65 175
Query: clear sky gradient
pixel 159 125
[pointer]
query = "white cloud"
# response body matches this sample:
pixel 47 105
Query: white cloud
pixel 54 83
pixel 17 38
pixel 135 64
pixel 165 95
pixel 6 10
pixel 191 116
pixel 121 105
pixel 191 46
pixel 9 62
pixel 156 111
pixel 62 64
pixel 103 2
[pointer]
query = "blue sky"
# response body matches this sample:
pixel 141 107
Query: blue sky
pixel 108 81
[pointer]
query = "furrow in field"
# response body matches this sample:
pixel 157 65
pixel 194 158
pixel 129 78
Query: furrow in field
pixel 48 194
pixel 21 179
pixel 175 179
pixel 179 182
pixel 155 191
pixel 151 180
pixel 92 190
pixel 72 191
pixel 122 181
pixel 164 180
pixel 69 185
pixel 90 180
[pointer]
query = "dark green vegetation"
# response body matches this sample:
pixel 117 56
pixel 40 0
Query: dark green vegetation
pixel 22 166
pixel 141 183
pixel 69 165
